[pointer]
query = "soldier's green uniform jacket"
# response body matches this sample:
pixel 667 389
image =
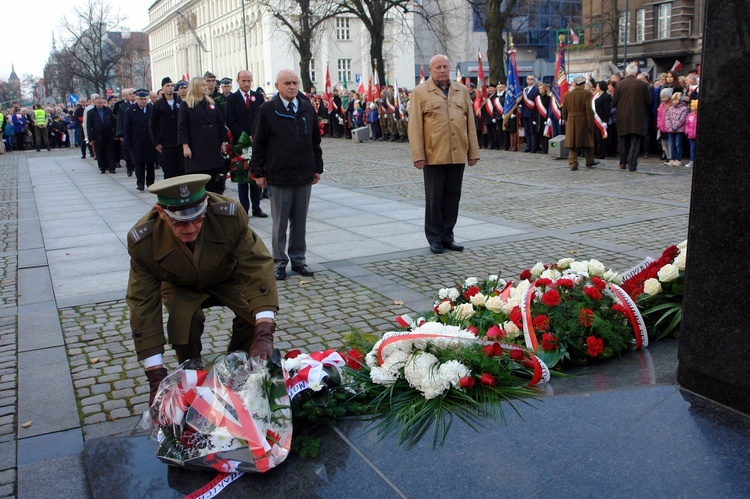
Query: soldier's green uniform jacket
pixel 229 263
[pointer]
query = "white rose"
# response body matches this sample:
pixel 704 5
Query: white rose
pixel 537 269
pixel 682 245
pixel 495 304
pixel 443 293
pixel 652 287
pixel 464 311
pixel 680 260
pixel 551 274
pixel 612 276
pixel 668 273
pixel 564 263
pixel 471 281
pixel 492 278
pixel 511 329
pixel 581 267
pixel 444 307
pixel 478 300
pixel 596 267
pixel 453 294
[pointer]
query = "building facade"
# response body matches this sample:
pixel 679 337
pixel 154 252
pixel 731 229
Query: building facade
pixel 190 37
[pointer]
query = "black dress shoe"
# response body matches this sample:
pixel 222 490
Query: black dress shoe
pixel 450 245
pixel 111 170
pixel 303 270
pixel 102 171
pixel 259 213
pixel 280 273
pixel 436 248
pixel 140 187
pixel 592 164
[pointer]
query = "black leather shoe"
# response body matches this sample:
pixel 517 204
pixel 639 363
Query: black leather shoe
pixel 259 213
pixel 450 245
pixel 436 248
pixel 592 164
pixel 304 270
pixel 280 273
pixel 102 171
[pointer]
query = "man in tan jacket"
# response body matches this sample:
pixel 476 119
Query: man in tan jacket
pixel 443 137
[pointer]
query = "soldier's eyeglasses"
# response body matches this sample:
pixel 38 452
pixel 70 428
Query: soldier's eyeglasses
pixel 185 223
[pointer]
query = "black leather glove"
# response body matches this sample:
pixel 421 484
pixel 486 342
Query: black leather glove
pixel 262 345
pixel 154 378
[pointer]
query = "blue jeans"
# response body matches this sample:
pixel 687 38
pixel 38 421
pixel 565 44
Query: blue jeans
pixel 692 149
pixel 675 145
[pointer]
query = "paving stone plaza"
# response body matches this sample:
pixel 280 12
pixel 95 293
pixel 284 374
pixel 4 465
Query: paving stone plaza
pixel 67 364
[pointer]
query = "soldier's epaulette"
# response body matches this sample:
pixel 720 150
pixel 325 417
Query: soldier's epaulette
pixel 226 209
pixel 138 233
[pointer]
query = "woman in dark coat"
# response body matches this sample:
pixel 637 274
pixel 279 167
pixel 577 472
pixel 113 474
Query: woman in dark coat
pixel 201 131
pixel 603 108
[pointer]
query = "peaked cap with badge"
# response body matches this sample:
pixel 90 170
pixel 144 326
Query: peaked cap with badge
pixel 184 197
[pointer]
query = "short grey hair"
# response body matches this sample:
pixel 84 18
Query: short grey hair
pixel 632 69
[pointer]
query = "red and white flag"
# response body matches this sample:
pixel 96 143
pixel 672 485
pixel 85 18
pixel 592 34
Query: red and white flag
pixel 481 93
pixel 677 66
pixel 361 88
pixel 421 74
pixel 574 37
pixel 327 94
pixel 375 85
pixel 185 77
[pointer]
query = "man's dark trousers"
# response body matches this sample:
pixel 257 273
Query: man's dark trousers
pixel 442 185
pixel 630 147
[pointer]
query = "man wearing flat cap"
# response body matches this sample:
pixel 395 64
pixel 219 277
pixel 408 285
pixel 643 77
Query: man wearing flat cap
pixel 182 89
pixel 579 123
pixel 138 140
pixel 191 251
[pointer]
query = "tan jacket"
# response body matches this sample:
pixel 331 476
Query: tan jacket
pixel 229 264
pixel 442 129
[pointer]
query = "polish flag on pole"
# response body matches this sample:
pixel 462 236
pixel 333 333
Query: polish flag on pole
pixel 376 85
pixel 186 77
pixel 481 93
pixel 327 94
pixel 574 37
pixel 421 74
pixel 361 88
pixel 677 66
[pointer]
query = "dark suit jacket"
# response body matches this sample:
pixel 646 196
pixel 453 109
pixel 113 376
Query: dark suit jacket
pixel 99 131
pixel 135 129
pixel 202 128
pixel 239 118
pixel 632 100
pixel 525 111
pixel 164 120
pixel 604 106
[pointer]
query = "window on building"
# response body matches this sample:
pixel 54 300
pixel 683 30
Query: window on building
pixel 596 31
pixel 640 25
pixel 345 69
pixel 624 27
pixel 342 28
pixel 312 71
pixel 664 20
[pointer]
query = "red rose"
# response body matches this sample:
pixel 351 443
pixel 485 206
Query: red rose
pixel 354 359
pixel 596 345
pixel 493 350
pixel 495 332
pixel 515 317
pixel 473 330
pixel 291 354
pixel 471 292
pixel 488 379
pixel 599 283
pixel 586 317
pixel 526 274
pixel 565 283
pixel 551 298
pixel 592 293
pixel 516 354
pixel 549 342
pixel 467 382
pixel 543 281
pixel 541 322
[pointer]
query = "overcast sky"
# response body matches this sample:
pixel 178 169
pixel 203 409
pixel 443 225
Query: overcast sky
pixel 28 21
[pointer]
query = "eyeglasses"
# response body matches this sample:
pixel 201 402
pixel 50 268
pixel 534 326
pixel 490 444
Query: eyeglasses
pixel 185 223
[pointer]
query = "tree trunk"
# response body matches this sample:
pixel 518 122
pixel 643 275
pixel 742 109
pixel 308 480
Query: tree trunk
pixel 305 56
pixel 377 37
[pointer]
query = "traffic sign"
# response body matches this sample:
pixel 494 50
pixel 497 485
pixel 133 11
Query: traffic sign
pixel 73 99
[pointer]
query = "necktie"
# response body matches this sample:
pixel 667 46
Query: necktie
pixel 247 100
pixel 290 107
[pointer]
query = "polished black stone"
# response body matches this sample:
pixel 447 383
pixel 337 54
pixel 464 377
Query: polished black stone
pixel 618 428
pixel 715 342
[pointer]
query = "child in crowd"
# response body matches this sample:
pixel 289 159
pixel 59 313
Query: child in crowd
pixel 373 118
pixel 357 116
pixel 675 118
pixel 691 125
pixel 661 124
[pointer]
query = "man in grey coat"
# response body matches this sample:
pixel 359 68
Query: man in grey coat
pixel 633 100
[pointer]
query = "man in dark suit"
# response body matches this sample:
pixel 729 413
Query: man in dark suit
pixel 287 155
pixel 529 114
pixel 336 114
pixel 99 124
pixel 632 100
pixel 128 99
pixel 137 138
pixel 241 108
pixel 163 130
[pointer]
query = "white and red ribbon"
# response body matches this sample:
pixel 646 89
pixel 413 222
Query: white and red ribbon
pixel 526 101
pixel 598 121
pixel 311 371
pixel 212 488
pixel 540 107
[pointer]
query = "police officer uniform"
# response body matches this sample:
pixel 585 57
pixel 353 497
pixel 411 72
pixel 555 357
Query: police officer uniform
pixel 227 265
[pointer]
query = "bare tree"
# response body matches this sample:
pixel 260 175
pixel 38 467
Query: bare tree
pixel 93 56
pixel 302 20
pixel 495 16
pixel 374 15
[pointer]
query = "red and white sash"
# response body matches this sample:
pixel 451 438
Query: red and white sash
pixel 540 107
pixel 597 120
pixel 526 101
